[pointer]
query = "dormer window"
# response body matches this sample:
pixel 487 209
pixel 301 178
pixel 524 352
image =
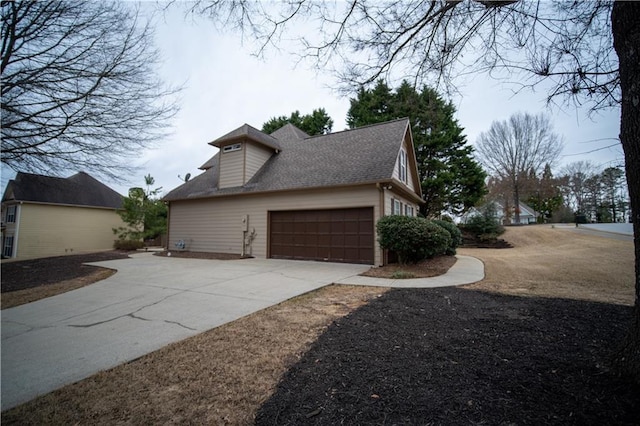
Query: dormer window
pixel 231 148
pixel 402 166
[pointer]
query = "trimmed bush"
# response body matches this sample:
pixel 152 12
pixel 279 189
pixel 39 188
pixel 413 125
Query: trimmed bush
pixel 454 232
pixel 129 245
pixel 483 225
pixel 412 238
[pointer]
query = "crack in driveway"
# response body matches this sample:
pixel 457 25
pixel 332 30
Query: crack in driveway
pixel 133 315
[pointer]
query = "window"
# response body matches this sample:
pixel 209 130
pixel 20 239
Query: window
pixel 396 207
pixel 7 250
pixel 11 214
pixel 408 210
pixel 402 166
pixel 231 148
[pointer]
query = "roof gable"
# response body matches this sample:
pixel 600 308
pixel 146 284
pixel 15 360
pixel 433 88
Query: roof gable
pixel 289 133
pixel 79 190
pixel 363 155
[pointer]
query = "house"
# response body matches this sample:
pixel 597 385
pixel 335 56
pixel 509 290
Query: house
pixel 527 214
pixel 50 216
pixel 287 195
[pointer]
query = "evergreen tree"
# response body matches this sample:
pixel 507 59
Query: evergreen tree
pixel 316 123
pixel 451 179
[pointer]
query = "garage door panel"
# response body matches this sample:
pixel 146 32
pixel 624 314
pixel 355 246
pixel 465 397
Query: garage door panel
pixel 339 235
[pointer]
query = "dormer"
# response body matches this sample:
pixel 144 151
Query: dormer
pixel 242 153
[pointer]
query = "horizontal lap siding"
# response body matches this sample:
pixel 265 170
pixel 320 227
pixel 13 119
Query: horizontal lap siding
pixel 256 156
pixel 232 168
pixel 47 230
pixel 389 195
pixel 214 225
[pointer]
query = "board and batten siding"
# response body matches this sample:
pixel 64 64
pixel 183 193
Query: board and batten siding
pixel 215 224
pixel 255 157
pixel 51 230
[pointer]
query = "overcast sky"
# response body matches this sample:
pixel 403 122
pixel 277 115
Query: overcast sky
pixel 225 87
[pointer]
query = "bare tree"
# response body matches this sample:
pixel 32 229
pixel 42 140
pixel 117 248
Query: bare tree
pixel 576 174
pixel 79 87
pixel 514 148
pixel 588 51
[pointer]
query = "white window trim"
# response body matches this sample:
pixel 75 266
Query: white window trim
pixel 8 238
pixel 408 210
pixel 12 218
pixel 396 208
pixel 402 167
pixel 231 148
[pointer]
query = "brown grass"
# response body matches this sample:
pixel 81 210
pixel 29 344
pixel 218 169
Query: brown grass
pixel 20 297
pixel 553 262
pixel 218 377
pixel 223 376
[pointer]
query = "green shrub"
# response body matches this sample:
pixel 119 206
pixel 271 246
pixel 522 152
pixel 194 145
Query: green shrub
pixel 454 232
pixel 484 224
pixel 412 238
pixel 128 244
pixel 437 240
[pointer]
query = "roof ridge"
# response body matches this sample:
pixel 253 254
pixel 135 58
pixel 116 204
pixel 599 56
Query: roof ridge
pixel 361 127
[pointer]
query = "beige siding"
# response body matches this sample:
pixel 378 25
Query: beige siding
pixel 255 157
pixel 215 225
pixel 231 168
pixel 49 230
pixel 389 195
pixel 411 175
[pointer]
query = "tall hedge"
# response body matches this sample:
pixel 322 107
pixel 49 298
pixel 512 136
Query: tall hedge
pixel 412 238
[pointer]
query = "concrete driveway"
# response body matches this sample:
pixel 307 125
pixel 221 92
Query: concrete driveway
pixel 148 304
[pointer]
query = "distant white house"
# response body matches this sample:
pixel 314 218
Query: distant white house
pixel 527 215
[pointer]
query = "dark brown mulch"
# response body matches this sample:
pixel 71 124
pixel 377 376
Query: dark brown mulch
pixel 25 274
pixel 200 255
pixel 434 267
pixel 459 357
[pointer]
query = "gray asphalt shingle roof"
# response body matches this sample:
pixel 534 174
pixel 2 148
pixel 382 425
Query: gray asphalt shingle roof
pixel 78 190
pixel 247 131
pixel 365 154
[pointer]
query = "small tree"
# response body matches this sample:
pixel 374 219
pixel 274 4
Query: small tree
pixel 144 213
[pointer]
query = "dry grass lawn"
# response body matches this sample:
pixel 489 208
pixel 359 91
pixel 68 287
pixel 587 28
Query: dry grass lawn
pixel 224 375
pixel 556 262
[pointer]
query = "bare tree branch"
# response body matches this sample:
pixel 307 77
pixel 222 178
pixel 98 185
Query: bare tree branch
pixel 79 87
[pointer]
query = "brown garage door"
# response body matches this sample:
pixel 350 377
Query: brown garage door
pixel 340 235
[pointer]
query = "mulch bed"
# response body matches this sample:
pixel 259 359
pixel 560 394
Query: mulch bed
pixel 26 274
pixel 434 267
pixel 454 356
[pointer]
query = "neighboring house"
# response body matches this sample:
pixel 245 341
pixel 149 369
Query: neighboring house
pixel 291 196
pixel 527 215
pixel 46 216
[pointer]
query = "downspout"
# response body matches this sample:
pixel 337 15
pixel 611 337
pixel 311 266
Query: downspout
pixel 168 223
pixel 383 254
